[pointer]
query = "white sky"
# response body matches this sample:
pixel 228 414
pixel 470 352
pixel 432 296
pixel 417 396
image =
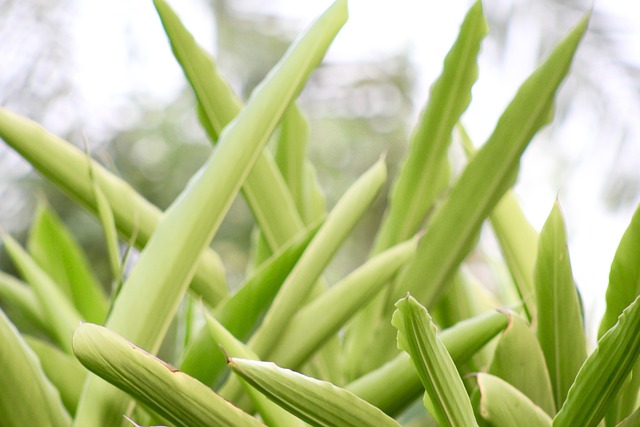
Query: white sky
pixel 109 33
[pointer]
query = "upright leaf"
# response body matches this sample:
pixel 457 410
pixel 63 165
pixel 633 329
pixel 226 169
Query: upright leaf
pixel 452 232
pixel 501 404
pixel 27 397
pixel 265 189
pixel 603 373
pixel 518 360
pixel 395 385
pixel 58 253
pixel 57 309
pixel 320 251
pixel 145 307
pixel 424 171
pixel 560 320
pixel 624 277
pixel 446 398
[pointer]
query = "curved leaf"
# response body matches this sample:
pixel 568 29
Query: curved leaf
pixel 319 403
pixel 446 398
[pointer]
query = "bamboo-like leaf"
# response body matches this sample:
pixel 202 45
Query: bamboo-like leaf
pixel 57 252
pixel 63 370
pixel 518 360
pixel 19 296
pixel 173 394
pixel 452 232
pixel 501 404
pixel 28 398
pixel 58 311
pixel 632 420
pixel 560 321
pixel 395 385
pixel 624 277
pixel 148 300
pixel 290 156
pixel 517 238
pixel 424 172
pixel 272 414
pixel 68 168
pixel 320 251
pixel 420 179
pixel 241 313
pixel 324 316
pixel 319 403
pixel 105 214
pixel 445 398
pixel 603 373
pixel 265 189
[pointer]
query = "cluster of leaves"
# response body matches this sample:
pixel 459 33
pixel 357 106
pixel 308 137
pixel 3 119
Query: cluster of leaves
pixel 357 353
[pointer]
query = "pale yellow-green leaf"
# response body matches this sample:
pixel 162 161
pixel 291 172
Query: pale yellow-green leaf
pixel 319 403
pixel 173 394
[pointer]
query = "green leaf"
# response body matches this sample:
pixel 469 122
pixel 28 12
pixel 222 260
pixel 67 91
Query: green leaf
pixel 395 385
pixel 272 414
pixel 518 360
pixel 149 298
pixel 57 309
pixel 501 404
pixel 342 219
pixel 453 231
pixel 319 403
pixel 445 398
pixel 424 172
pixel 63 370
pixel 242 312
pixel 603 373
pixel 632 420
pixel 58 253
pixel 517 238
pixel 312 326
pixel 560 322
pixel 173 394
pixel 265 189
pixel 68 168
pixel 20 297
pixel 624 277
pixel 28 398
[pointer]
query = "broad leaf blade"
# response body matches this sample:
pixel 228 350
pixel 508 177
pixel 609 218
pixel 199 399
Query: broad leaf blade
pixel 63 370
pixel 173 394
pixel 603 373
pixel 519 361
pixel 28 398
pixel 319 403
pixel 624 277
pixel 446 398
pixel 57 309
pixel 501 404
pixel 452 232
pixel 60 256
pixel 560 321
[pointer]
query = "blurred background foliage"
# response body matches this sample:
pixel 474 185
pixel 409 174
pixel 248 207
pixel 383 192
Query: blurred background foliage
pixel 358 109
